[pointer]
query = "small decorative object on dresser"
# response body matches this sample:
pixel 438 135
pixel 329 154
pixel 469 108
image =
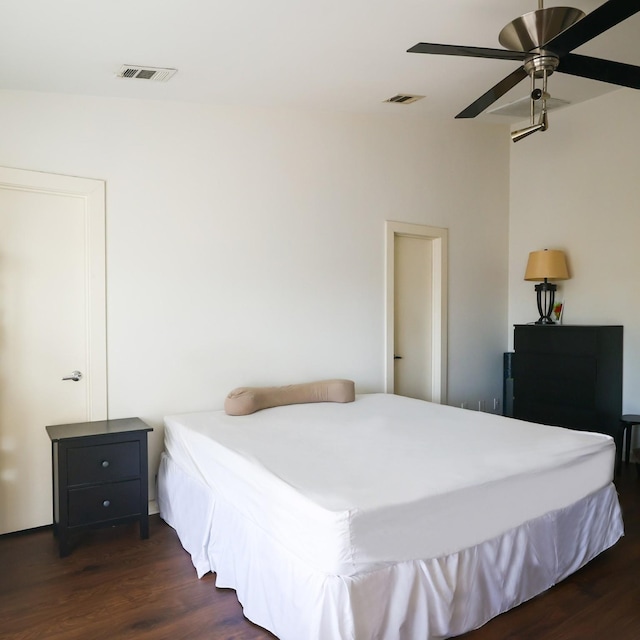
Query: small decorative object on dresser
pixel 99 476
pixel 558 310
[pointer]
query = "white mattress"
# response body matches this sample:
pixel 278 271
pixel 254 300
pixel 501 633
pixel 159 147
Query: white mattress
pixel 348 488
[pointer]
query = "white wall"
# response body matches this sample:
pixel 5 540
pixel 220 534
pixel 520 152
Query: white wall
pixel 246 247
pixel 577 188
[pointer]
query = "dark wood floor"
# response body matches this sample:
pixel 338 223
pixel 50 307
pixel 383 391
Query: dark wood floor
pixel 115 585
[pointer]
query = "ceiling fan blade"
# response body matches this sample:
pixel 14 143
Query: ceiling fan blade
pixel 477 107
pixel 626 75
pixel 593 24
pixel 470 52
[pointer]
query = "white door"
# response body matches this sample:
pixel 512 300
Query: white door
pixel 52 323
pixel 413 275
pixel 416 311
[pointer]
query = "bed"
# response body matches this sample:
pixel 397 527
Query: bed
pixel 387 517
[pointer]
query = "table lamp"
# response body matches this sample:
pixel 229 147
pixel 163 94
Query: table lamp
pixel 543 266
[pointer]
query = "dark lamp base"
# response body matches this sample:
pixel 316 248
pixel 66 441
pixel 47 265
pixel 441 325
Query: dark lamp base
pixel 545 296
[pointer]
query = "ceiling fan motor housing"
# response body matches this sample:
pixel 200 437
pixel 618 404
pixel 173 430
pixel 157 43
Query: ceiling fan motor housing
pixel 539 63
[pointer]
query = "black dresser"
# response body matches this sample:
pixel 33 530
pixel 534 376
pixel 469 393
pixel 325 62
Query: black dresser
pixel 569 376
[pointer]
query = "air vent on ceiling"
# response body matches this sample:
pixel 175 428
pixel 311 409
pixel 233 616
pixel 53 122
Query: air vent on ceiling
pixel 157 74
pixel 404 98
pixel 521 108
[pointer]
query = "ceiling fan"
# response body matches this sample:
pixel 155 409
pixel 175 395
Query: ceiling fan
pixel 543 41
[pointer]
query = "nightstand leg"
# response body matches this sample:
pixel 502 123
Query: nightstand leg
pixel 144 527
pixel 63 543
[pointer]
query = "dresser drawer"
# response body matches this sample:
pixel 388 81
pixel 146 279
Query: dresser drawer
pixel 104 502
pixel 569 381
pixel 569 394
pixel 544 412
pixel 103 463
pixel 546 367
pixel 562 340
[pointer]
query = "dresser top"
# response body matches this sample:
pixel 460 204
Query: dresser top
pixel 96 428
pixel 533 325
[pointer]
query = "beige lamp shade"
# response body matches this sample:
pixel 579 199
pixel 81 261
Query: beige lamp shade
pixel 549 263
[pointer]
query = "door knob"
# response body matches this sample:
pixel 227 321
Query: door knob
pixel 75 376
pixel 397 357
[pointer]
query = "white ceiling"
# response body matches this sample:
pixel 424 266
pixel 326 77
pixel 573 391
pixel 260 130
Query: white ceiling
pixel 328 54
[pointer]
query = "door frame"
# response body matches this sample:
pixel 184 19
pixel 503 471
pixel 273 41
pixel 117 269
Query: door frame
pixel 92 194
pixel 439 298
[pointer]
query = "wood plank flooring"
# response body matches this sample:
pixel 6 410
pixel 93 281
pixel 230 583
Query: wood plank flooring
pixel 116 586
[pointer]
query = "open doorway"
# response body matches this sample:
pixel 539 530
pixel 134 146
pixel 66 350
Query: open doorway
pixel 416 311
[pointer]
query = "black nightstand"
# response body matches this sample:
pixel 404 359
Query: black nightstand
pixel 99 476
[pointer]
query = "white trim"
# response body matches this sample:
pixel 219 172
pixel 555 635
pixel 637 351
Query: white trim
pixel 92 192
pixel 439 239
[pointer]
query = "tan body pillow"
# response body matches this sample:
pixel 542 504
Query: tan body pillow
pixel 245 400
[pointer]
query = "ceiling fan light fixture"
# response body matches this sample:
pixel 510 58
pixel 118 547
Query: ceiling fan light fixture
pixel 544 120
pixel 527 131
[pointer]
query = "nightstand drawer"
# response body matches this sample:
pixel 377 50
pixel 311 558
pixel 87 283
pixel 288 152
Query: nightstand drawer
pixel 104 502
pixel 103 463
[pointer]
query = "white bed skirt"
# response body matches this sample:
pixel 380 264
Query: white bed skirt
pixel 414 600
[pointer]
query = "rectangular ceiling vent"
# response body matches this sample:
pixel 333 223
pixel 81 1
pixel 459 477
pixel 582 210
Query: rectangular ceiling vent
pixel 521 108
pixel 157 74
pixel 404 98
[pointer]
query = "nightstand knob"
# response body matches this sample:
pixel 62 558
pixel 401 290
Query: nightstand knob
pixel 106 503
pixel 105 464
